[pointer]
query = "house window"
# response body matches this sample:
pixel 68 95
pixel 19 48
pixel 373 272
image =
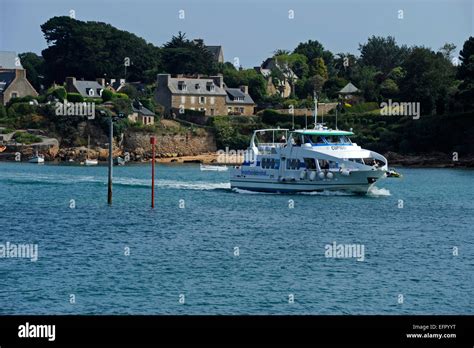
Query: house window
pixel 210 87
pixel 213 100
pixel 197 86
pixel 229 109
pixel 14 94
pixel 202 109
pixel 182 86
pixel 202 100
pixel 183 99
pixel 193 100
pixel 213 111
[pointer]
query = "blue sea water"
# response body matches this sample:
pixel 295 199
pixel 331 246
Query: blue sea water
pixel 409 228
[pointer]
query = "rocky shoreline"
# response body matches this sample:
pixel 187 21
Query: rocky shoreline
pixel 52 153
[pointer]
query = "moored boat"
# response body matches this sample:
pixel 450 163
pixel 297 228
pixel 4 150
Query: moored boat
pixel 207 167
pixel 37 159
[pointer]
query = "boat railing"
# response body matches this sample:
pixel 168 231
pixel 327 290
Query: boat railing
pixel 268 148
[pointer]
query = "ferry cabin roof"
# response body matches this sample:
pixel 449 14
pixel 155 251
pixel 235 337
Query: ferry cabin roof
pixel 322 132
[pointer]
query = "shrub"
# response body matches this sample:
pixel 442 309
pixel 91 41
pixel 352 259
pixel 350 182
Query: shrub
pixel 120 96
pixel 21 109
pixel 107 95
pixel 93 100
pixel 60 93
pixel 75 98
pixel 6 130
pixel 26 138
pixel 3 111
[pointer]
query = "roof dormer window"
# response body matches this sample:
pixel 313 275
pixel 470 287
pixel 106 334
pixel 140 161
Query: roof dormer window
pixel 211 87
pixel 182 86
pixel 197 86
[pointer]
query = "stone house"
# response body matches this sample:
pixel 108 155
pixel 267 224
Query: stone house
pixel 239 101
pixel 208 95
pixel 176 94
pixel 88 89
pixel 13 81
pixel 141 114
pixel 282 87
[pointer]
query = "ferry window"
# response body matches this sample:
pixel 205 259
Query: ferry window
pixel 323 164
pixel 292 164
pixel 339 139
pixel 344 140
pixel 270 163
pixel 315 139
pixel 310 163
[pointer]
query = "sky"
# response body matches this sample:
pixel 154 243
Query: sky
pixel 251 30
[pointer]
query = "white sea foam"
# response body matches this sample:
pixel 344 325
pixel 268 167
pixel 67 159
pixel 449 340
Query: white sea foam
pixel 248 192
pixel 123 181
pixel 327 193
pixel 376 192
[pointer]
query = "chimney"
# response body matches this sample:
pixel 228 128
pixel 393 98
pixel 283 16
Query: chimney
pixel 244 89
pixel 101 81
pixel 218 80
pixel 163 80
pixel 20 73
pixel 70 81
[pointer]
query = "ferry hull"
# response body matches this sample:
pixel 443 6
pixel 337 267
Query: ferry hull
pixel 359 183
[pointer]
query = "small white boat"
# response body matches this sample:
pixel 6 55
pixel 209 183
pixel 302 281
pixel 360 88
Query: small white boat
pixel 91 162
pixel 37 159
pixel 208 167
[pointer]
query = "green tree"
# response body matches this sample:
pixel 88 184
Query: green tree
pixel 382 53
pixel 107 95
pixel 429 76
pixel 344 65
pixel 318 67
pixel 34 66
pixel 466 74
pixel 246 77
pixel 91 49
pixel 182 56
pixel 313 49
pixel 389 88
pixel 447 50
pixel 365 78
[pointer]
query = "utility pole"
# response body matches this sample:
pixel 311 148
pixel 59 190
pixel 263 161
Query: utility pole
pixel 111 139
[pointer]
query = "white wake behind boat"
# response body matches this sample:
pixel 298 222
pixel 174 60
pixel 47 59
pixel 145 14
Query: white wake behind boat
pixel 208 167
pixel 307 160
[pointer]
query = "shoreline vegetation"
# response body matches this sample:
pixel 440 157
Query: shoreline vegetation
pixel 413 104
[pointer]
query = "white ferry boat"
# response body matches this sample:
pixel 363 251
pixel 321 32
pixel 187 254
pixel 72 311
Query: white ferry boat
pixel 305 160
